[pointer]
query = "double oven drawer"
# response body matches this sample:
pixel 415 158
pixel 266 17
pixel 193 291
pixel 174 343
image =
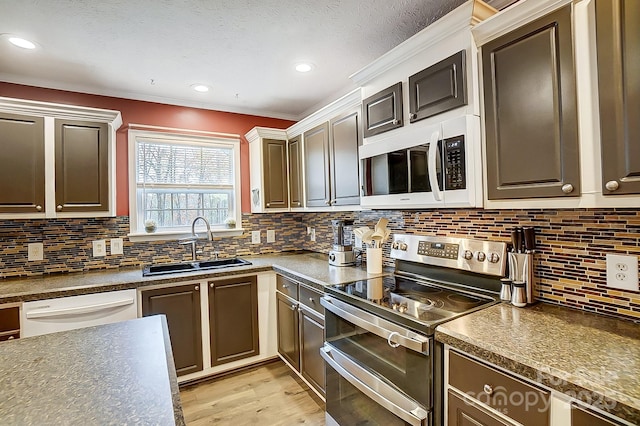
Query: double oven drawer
pixel 375 368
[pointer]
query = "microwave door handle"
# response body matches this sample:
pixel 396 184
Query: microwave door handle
pixel 431 166
pixel 384 395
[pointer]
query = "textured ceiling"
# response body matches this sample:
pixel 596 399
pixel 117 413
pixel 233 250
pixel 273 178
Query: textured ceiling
pixel 244 49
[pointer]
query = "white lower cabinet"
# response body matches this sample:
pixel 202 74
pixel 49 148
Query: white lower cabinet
pixel 481 394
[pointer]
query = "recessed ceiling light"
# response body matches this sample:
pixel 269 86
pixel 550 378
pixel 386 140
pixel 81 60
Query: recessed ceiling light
pixel 200 88
pixel 20 42
pixel 304 67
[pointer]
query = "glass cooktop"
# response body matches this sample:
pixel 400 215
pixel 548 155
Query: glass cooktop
pixel 425 303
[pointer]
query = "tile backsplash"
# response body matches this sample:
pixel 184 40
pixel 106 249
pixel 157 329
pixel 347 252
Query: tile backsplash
pixel 570 259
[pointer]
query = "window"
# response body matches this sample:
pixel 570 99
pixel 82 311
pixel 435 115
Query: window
pixel 175 178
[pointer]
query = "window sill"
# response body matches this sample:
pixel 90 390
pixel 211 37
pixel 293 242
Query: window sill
pixel 176 235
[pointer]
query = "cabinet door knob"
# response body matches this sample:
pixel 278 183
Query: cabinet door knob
pixel 285 285
pixel 39 207
pixel 395 122
pixel 211 285
pixel 293 307
pixel 268 204
pixel 612 185
pixel 487 389
pixel 312 301
pixel 413 116
pixel 328 202
pixel 59 207
pixel 567 188
pixel 298 203
pixel 197 288
pixel 11 338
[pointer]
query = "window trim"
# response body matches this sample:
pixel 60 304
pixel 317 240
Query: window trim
pixel 166 134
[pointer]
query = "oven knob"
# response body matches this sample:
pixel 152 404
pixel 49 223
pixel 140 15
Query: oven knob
pixel 394 306
pixel 402 246
pixel 395 245
pixel 402 308
pixel 468 254
pixel 494 257
pixel 481 256
pixel 332 257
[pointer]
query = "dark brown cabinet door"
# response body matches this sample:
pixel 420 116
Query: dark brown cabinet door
pixel 316 156
pixel 583 417
pixel 295 172
pixel 345 138
pixel 383 111
pixel 439 88
pixel 9 323
pixel 465 413
pixel 530 111
pixel 233 319
pixel 181 305
pixel 311 340
pixel 276 193
pixel 288 337
pixel 618 44
pixel 82 166
pixel 21 164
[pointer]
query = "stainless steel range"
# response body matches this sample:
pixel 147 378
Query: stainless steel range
pixel 382 363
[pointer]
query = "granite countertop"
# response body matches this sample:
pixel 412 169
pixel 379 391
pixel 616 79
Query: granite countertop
pixel 583 355
pixel 121 373
pixel 310 268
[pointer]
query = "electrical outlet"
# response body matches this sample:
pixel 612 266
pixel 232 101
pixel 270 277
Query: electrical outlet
pixel 312 234
pixel 622 272
pixel 271 236
pixel 99 248
pixel 255 237
pixel 308 230
pixel 35 251
pixel 116 246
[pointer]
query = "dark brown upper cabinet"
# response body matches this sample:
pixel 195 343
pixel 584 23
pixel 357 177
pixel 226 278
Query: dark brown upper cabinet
pixel 530 111
pixel 316 154
pixel 22 181
pixel 82 166
pixel 233 319
pixel 276 189
pixel 618 47
pixel 181 306
pixel 383 111
pixel 345 137
pixel 438 88
pixel 295 171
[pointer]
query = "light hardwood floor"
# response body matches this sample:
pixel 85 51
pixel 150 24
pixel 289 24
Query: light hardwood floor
pixel 270 394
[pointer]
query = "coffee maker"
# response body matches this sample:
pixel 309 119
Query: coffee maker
pixel 342 252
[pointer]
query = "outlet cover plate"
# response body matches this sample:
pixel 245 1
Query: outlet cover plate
pixel 116 246
pixel 35 251
pixel 271 236
pixel 313 234
pixel 622 272
pixel 255 237
pixel 99 248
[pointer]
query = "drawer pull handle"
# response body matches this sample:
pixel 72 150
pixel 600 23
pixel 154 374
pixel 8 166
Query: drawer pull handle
pixel 285 286
pixel 392 344
pixel 487 389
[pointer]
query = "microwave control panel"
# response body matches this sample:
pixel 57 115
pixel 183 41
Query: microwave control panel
pixel 454 161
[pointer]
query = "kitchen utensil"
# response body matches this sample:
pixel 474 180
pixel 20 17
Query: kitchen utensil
pixel 529 239
pixel 377 237
pixel 519 296
pixel 382 224
pixel 516 239
pixel 505 292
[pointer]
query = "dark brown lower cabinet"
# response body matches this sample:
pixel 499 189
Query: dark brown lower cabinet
pixel 462 412
pixel 288 339
pixel 311 340
pixel 233 319
pixel 9 323
pixel 584 417
pixel 181 305
pixel 301 330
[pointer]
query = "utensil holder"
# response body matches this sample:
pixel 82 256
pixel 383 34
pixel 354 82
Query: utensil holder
pixel 521 270
pixel 374 260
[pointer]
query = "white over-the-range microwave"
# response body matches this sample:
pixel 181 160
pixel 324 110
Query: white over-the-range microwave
pixel 424 166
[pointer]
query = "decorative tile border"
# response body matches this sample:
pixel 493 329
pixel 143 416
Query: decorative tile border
pixel 570 259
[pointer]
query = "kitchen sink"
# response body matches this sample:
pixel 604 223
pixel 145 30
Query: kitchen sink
pixel 174 268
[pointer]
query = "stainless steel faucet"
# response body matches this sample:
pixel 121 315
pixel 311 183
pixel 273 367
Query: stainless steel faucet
pixel 194 238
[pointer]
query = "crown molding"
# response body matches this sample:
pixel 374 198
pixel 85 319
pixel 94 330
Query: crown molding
pixel 350 100
pixel 266 133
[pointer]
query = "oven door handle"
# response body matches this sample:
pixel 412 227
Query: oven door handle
pixel 394 334
pixel 384 395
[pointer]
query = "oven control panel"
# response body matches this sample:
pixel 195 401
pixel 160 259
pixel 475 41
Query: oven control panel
pixel 438 249
pixel 480 256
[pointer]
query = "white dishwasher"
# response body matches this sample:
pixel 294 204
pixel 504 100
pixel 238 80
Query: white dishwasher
pixel 68 313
